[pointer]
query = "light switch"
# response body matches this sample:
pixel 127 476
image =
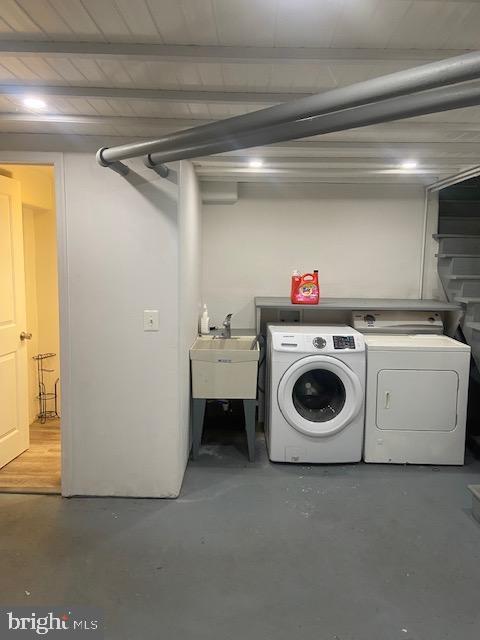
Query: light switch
pixel 150 320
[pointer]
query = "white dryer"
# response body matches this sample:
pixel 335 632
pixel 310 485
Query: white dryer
pixel 315 389
pixel 416 400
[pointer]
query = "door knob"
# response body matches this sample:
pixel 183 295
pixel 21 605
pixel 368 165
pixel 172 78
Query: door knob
pixel 25 335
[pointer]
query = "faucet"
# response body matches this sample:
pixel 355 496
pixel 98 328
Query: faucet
pixel 227 329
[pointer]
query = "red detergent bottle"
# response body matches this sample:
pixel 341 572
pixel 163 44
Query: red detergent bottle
pixel 305 288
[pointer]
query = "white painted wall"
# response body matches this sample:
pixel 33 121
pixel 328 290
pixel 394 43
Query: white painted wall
pixel 189 291
pixel 123 393
pixel 124 246
pixel 365 240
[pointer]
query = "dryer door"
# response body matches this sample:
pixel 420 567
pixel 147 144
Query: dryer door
pixel 319 395
pixel 415 400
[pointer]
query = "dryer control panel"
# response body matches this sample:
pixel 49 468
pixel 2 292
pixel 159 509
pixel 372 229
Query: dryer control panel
pixel 399 322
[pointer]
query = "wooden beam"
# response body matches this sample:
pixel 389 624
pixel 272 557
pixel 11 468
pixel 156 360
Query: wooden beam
pixel 180 123
pixel 167 95
pixel 226 54
pixel 382 140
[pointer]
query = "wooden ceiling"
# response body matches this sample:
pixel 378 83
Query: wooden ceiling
pixel 124 69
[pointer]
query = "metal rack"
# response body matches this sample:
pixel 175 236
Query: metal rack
pixel 44 398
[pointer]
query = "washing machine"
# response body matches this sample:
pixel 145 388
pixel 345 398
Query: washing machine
pixel 416 399
pixel 315 389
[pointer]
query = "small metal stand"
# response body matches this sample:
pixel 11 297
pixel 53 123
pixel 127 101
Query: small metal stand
pixel 198 415
pixel 44 398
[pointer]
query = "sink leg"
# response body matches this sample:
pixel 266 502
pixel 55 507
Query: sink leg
pixel 249 407
pixel 197 424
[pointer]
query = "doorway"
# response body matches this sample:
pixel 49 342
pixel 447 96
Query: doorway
pixel 30 423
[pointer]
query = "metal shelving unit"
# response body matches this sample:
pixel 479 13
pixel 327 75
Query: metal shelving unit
pixel 45 399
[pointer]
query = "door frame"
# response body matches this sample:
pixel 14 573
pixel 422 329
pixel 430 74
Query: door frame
pixel 56 160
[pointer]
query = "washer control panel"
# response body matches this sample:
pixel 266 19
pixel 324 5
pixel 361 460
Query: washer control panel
pixel 319 343
pixel 343 342
pixel 320 340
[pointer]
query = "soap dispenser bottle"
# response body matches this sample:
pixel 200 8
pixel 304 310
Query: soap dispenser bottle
pixel 204 322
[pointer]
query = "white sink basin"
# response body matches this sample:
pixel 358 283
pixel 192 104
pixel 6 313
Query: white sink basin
pixel 234 346
pixel 224 368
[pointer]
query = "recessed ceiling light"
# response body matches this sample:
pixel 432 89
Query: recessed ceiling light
pixel 409 164
pixel 34 103
pixel 255 164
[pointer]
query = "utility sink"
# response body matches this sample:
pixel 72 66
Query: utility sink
pixel 224 368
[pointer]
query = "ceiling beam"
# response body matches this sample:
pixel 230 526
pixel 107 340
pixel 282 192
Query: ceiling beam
pixel 384 136
pixel 385 162
pixel 167 95
pixel 172 123
pixel 339 149
pixel 313 171
pixel 120 121
pixel 319 178
pixel 216 53
pixel 353 175
pixel 182 123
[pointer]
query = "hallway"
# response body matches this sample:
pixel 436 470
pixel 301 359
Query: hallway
pixel 37 470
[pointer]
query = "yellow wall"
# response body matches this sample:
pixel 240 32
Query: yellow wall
pixel 41 282
pixel 37 183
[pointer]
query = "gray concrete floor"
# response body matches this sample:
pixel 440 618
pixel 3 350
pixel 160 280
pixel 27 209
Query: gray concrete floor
pixel 259 551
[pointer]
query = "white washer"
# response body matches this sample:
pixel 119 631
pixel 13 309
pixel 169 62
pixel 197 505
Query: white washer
pixel 315 390
pixel 416 401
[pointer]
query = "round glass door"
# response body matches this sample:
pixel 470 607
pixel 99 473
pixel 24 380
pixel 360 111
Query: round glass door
pixel 319 395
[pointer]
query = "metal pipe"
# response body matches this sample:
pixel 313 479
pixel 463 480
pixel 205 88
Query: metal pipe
pixel 416 104
pixel 161 169
pixel 116 166
pixel 428 76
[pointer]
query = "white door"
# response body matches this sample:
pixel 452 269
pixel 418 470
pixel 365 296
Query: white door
pixel 416 400
pixel 319 395
pixel 14 431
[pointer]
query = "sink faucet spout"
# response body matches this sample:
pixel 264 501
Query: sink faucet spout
pixel 227 329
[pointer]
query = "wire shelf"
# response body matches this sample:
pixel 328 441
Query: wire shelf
pixel 43 396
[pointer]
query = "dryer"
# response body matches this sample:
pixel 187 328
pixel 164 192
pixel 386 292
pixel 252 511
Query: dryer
pixel 315 388
pixel 416 400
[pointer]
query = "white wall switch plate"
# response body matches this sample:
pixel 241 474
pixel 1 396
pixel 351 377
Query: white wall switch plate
pixel 150 320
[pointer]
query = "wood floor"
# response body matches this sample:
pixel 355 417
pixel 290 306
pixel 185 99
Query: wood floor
pixel 37 470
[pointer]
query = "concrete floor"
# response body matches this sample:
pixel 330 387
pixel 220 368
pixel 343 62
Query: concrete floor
pixel 261 551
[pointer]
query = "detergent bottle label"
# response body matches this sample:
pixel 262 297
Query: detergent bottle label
pixel 305 289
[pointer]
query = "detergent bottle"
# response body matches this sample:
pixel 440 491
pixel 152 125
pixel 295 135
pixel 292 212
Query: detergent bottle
pixel 305 288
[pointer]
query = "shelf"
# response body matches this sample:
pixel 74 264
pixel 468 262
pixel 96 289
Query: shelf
pixel 358 304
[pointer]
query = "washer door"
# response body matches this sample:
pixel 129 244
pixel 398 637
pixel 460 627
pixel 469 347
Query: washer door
pixel 319 395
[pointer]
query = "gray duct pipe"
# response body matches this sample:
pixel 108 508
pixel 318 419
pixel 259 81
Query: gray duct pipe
pixel 417 104
pixel 435 74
